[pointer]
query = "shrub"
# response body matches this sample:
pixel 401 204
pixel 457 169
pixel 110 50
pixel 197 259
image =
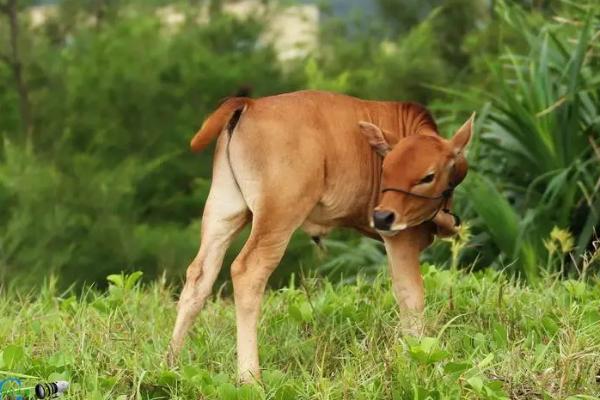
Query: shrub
pixel 537 166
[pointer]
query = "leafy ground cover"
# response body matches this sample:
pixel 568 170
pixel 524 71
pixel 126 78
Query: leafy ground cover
pixel 488 336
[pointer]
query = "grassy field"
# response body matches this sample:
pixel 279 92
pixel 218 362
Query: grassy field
pixel 487 337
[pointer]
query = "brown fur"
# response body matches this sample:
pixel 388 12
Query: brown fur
pixel 304 160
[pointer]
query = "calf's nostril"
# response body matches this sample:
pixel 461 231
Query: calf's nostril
pixel 389 218
pixel 383 219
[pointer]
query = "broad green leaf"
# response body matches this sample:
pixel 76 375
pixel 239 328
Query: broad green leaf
pixel 227 391
pixel 13 356
pixel 476 383
pixel 132 279
pixel 116 280
pixel 167 378
pixel 457 367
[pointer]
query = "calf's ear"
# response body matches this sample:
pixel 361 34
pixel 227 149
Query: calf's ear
pixel 375 137
pixel 459 171
pixel 462 137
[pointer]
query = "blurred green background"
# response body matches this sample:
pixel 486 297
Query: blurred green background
pixel 99 99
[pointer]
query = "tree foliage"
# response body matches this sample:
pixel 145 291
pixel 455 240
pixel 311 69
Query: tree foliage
pixel 100 180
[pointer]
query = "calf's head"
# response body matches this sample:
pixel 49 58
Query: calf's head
pixel 419 173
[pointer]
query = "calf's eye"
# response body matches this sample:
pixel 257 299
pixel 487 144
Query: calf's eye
pixel 427 178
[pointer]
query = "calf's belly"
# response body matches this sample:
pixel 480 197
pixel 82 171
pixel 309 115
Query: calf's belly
pixel 322 220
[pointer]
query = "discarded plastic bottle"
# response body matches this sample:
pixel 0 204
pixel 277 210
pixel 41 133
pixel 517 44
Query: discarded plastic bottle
pixel 47 390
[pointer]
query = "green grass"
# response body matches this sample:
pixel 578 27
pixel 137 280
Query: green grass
pixel 487 337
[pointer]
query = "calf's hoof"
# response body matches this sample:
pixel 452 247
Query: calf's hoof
pixel 249 377
pixel 172 357
pixel 411 325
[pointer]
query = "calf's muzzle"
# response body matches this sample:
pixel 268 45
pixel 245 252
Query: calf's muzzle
pixel 383 219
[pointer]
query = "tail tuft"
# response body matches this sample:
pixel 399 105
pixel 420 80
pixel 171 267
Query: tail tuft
pixel 215 123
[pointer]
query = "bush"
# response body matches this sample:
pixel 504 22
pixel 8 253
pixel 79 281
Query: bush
pixel 108 183
pixel 80 224
pixel 539 168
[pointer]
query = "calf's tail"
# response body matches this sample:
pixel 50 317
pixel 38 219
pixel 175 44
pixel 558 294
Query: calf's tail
pixel 228 113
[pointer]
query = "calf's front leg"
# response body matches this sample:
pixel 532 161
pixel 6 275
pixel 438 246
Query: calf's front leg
pixel 403 250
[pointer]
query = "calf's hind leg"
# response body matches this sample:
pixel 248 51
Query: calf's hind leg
pixel 225 214
pixel 250 272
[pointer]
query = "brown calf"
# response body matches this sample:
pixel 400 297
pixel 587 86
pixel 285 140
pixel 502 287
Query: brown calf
pixel 299 160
